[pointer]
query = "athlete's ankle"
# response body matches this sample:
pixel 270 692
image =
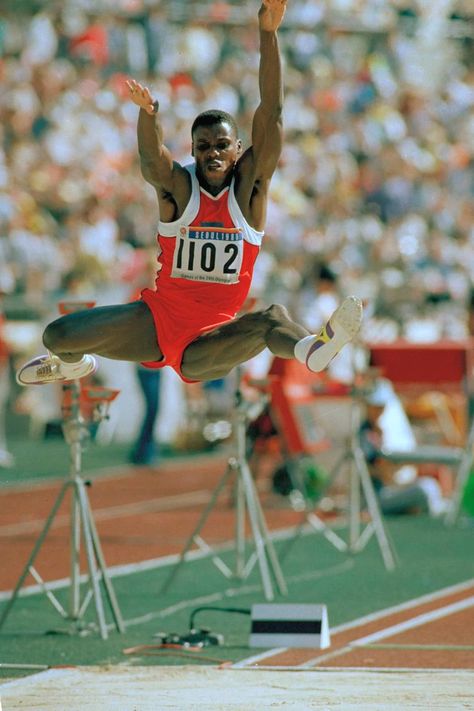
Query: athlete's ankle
pixel 69 365
pixel 71 361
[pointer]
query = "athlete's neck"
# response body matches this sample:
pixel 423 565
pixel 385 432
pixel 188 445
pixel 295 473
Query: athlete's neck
pixel 214 188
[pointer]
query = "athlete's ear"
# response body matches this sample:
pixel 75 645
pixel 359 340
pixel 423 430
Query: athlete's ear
pixel 192 149
pixel 239 145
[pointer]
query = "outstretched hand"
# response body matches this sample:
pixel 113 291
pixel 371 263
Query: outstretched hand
pixel 141 96
pixel 271 14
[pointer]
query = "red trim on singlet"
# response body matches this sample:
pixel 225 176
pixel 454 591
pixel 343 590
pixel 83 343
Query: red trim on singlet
pixel 183 309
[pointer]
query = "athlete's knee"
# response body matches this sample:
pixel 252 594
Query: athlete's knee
pixel 56 334
pixel 259 323
pixel 276 314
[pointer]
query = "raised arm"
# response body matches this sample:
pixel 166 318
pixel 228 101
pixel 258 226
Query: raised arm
pixel 267 127
pixel 157 166
pixel 257 165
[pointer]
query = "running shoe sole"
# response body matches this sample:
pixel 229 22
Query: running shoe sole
pixel 339 330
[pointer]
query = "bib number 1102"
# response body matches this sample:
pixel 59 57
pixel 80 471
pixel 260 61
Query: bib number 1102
pixel 208 254
pixel 207 257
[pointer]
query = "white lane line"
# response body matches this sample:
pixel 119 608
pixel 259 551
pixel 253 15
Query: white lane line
pixel 163 503
pixel 411 671
pixel 114 571
pixel 361 621
pixel 117 471
pixel 123 570
pixel 417 621
pixel 280 534
pixel 233 592
pixel 442 647
pixel 257 658
pixel 423 599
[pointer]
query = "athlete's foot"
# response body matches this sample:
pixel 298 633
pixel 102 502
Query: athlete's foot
pixel 49 368
pixel 318 351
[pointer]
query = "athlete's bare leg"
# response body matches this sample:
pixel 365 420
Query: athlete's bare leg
pixel 127 332
pixel 215 353
pixel 122 332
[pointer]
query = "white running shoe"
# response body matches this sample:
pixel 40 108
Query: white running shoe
pixel 318 351
pixel 49 368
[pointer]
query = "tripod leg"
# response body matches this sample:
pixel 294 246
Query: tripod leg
pixel 256 530
pixel 386 547
pixel 462 475
pixel 319 526
pixel 275 564
pixel 240 529
pixel 93 574
pixel 327 532
pixel 35 551
pixel 202 520
pixel 354 505
pixel 117 615
pixel 461 480
pixel 75 551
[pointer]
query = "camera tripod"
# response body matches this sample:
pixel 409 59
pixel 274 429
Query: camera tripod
pixel 77 432
pixel 246 504
pixel 360 482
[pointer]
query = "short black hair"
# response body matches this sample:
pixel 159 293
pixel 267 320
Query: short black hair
pixel 213 116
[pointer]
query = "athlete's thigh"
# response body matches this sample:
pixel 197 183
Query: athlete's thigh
pixel 122 331
pixel 214 353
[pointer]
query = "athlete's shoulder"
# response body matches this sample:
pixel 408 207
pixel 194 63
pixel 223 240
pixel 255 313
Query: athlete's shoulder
pixel 245 164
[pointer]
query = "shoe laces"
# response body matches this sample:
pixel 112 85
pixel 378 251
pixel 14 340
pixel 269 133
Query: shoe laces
pixel 48 367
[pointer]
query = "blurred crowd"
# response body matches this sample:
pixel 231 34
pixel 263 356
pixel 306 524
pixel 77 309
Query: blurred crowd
pixel 375 184
pixel 375 179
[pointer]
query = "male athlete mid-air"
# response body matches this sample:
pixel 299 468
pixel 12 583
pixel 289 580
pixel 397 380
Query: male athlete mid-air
pixel 211 222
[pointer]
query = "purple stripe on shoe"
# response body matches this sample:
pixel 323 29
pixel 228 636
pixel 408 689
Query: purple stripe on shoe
pixel 320 342
pixel 317 344
pixel 36 362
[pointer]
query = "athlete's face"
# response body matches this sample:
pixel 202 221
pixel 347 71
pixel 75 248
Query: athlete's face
pixel 216 150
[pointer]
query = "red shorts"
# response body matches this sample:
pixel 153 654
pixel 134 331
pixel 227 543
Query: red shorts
pixel 177 324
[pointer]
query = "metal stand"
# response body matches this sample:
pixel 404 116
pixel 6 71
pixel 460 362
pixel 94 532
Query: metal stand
pixel 246 502
pixel 359 482
pixel 462 475
pixel 77 432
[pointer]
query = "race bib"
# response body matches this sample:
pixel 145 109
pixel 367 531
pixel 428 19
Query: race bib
pixel 211 254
